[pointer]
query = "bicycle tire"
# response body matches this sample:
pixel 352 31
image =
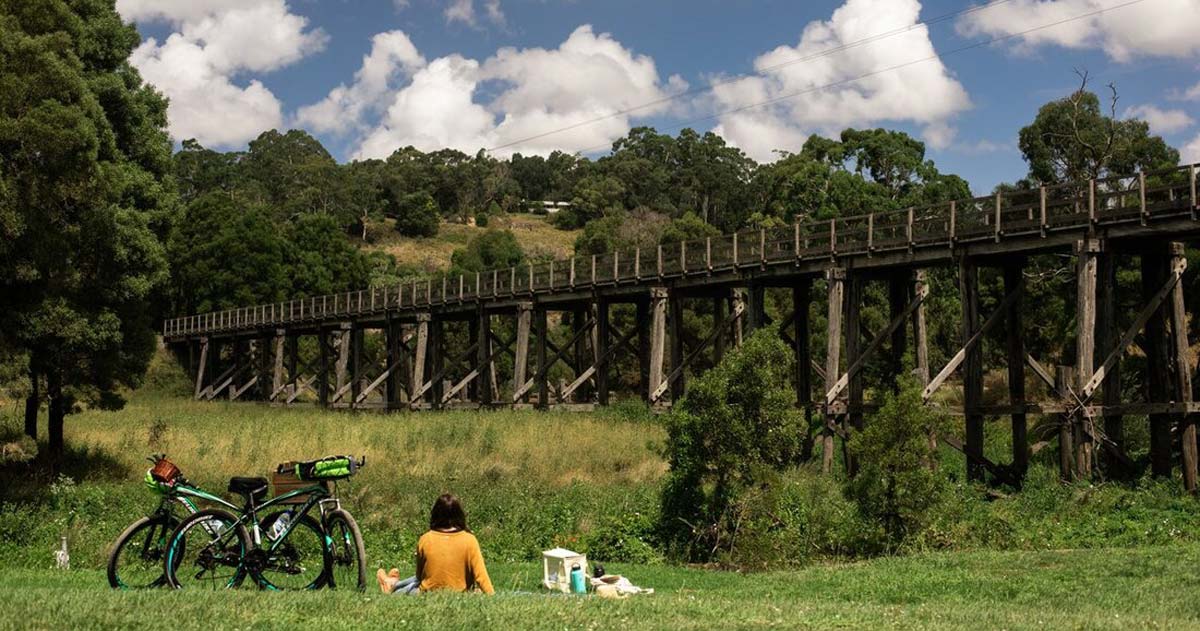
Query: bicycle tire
pixel 178 549
pixel 158 529
pixel 305 523
pixel 347 551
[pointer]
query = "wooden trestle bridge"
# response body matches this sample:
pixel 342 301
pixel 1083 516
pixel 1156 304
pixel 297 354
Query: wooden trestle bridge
pixel 252 352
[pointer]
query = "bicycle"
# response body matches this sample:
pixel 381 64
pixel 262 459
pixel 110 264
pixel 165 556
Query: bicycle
pixel 288 549
pixel 136 558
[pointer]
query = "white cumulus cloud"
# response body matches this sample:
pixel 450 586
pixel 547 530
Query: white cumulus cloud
pixel 1164 28
pixel 200 66
pixel 1161 121
pixel 533 90
pixel 393 56
pixel 1190 154
pixel 464 11
pixel 1190 94
pixel 824 92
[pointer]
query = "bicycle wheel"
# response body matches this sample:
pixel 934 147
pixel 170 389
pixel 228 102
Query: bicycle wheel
pixel 348 557
pixel 136 559
pixel 207 551
pixel 297 561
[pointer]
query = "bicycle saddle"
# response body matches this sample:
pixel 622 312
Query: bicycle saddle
pixel 251 488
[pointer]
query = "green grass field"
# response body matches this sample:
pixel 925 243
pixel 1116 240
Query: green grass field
pixel 1127 589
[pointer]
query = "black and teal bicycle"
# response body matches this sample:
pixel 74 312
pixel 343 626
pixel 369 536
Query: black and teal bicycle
pixel 300 539
pixel 136 557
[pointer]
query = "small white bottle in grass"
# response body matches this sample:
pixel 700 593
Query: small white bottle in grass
pixel 62 558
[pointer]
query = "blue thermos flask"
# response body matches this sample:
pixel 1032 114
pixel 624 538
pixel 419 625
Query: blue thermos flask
pixel 577 584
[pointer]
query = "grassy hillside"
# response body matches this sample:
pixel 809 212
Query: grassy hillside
pixel 534 232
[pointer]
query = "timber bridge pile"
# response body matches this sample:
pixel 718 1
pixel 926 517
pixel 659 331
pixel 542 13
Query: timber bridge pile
pixel 253 352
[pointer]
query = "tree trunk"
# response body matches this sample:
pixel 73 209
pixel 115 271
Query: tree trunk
pixel 32 402
pixel 54 400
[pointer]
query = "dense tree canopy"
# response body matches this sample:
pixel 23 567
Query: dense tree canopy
pixel 84 164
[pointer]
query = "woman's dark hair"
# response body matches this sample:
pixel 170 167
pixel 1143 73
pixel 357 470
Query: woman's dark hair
pixel 447 514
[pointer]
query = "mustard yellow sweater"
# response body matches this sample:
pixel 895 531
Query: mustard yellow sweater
pixel 451 561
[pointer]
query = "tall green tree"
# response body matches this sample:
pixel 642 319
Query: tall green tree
pixel 1075 138
pixel 227 253
pixel 84 163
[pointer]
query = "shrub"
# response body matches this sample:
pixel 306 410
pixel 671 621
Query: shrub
pixel 416 215
pixel 623 538
pixel 895 484
pixel 730 435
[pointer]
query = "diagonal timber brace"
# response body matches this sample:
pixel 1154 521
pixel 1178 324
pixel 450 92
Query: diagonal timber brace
pixel 362 396
pixel 878 340
pixel 449 394
pixel 1147 312
pixel 425 387
pixel 301 386
pixel 601 362
pixel 1067 393
pixel 976 338
pixel 739 310
pixel 558 355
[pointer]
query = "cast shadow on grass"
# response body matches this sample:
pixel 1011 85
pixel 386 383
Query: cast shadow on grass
pixel 30 481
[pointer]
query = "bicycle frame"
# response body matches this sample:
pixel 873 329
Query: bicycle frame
pixel 318 495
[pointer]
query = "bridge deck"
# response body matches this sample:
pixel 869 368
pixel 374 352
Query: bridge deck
pixel 1018 223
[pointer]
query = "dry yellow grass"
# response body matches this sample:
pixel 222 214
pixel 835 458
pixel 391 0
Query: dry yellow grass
pixel 549 449
pixel 535 234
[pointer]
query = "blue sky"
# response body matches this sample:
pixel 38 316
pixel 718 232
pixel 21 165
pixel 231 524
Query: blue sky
pixel 483 73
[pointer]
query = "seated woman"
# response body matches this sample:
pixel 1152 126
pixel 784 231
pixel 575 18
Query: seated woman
pixel 448 556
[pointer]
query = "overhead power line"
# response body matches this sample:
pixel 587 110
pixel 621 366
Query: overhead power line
pixel 834 84
pixel 933 57
pixel 728 80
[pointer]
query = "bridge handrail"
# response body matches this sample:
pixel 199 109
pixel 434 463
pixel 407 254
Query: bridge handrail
pixel 1111 199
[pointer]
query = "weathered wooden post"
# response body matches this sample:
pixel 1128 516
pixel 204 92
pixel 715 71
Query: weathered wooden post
pixel 643 324
pixel 920 337
pixel 437 360
pixel 1015 348
pixel 420 353
pixel 323 343
pixel 278 344
pixel 1085 346
pixel 484 392
pixel 853 335
pixel 1158 378
pixel 293 363
pixel 739 300
pixel 972 368
pixel 679 385
pixel 658 334
pixel 1106 339
pixel 580 354
pixel 542 374
pixel 202 366
pixel 1064 377
pixel 756 312
pixel 603 341
pixel 1183 370
pixel 343 354
pixel 836 278
pixel 521 352
pixel 356 365
pixel 394 385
